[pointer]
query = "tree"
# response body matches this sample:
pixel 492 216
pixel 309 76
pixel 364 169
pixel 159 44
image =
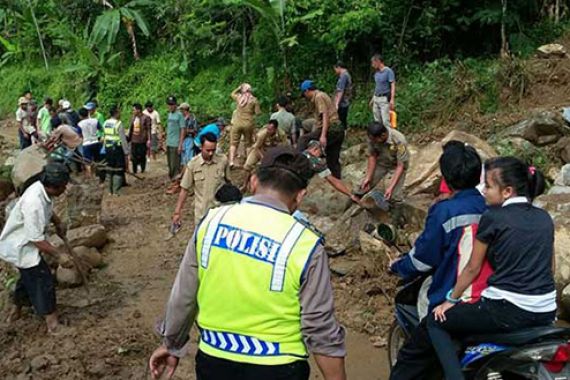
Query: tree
pixel 107 25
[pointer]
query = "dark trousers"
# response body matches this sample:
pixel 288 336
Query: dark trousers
pixel 115 160
pixel 138 156
pixel 417 358
pixel 343 116
pixel 36 287
pixel 335 138
pixel 211 368
pixel 24 141
pixel 173 159
pixel 483 317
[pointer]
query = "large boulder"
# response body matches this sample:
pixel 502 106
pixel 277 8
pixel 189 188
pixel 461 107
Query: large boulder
pixel 423 175
pixel 551 51
pixel 93 236
pixel 28 164
pixel 6 188
pixel 563 178
pixel 83 203
pixel 89 256
pixel 563 149
pixel 355 154
pixel 68 276
pixel 558 206
pixel 541 129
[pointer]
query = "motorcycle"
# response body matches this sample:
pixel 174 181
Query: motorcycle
pixel 539 353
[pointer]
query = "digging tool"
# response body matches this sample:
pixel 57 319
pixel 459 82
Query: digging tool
pixel 174 228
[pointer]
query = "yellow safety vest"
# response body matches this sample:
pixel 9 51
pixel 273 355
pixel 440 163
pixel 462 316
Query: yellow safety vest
pixel 111 133
pixel 251 259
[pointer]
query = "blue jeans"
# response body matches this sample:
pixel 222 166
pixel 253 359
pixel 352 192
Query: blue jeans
pixel 24 141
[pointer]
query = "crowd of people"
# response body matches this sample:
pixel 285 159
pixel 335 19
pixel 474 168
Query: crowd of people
pixel 255 276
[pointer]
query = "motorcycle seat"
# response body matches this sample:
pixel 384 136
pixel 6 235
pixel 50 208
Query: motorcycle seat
pixel 516 338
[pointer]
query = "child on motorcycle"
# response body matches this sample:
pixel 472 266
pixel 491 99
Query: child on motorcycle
pixel 443 249
pixel 518 240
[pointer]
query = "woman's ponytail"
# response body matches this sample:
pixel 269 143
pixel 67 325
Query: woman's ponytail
pixel 536 183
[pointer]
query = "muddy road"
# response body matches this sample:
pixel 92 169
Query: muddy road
pixel 110 330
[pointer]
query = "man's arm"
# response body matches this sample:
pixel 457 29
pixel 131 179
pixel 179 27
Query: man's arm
pixel 235 93
pixel 186 186
pixel 400 167
pixel 340 186
pixel 370 169
pixel 427 251
pixel 182 135
pixel 322 334
pixel 392 90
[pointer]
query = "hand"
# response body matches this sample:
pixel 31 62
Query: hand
pixel 439 311
pixel 388 193
pixel 354 198
pixel 392 105
pixel 323 141
pixel 176 218
pixel 365 185
pixel 179 150
pixel 161 360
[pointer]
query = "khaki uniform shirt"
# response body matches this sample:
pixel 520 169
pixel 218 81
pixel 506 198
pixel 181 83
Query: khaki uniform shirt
pixel 244 116
pixel 392 152
pixel 264 141
pixel 324 105
pixel 205 178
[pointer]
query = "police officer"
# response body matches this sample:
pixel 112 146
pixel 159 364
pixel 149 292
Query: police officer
pixel 260 292
pixel 117 150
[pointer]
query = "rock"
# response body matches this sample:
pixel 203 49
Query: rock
pixel 551 51
pixel 565 301
pixel 563 149
pixel 378 341
pixel 42 361
pixel 323 200
pixel 90 256
pixel 354 154
pixel 68 276
pixel 423 175
pixel 559 190
pixel 29 163
pixel 342 267
pixel 563 179
pixel 83 204
pixel 543 127
pixel 93 236
pixel 372 246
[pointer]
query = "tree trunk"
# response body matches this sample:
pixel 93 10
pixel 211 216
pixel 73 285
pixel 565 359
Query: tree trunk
pixel 557 11
pixel 131 31
pixel 39 34
pixel 504 41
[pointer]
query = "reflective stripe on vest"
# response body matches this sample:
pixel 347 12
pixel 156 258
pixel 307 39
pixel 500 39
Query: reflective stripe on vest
pixel 251 259
pixel 239 344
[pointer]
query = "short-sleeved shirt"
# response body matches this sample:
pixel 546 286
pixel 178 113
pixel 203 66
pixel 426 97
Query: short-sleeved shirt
pixel 318 165
pixel 89 129
pixel 155 120
pixel 174 124
pixel 264 141
pixel 245 116
pixel 205 178
pixel 23 117
pixel 391 152
pixel 521 244
pixel 324 105
pixel 383 79
pixel 26 225
pixel 44 119
pixel 286 121
pixel 344 85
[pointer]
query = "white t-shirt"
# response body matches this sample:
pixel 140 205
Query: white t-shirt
pixel 23 117
pixel 89 131
pixel 26 224
pixel 155 120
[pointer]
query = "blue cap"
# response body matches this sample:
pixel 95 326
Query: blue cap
pixel 90 106
pixel 307 85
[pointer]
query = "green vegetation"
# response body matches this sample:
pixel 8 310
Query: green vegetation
pixel 123 51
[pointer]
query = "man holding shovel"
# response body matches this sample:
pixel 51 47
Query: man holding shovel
pixel 24 238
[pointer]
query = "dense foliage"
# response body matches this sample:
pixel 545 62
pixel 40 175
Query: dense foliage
pixel 121 50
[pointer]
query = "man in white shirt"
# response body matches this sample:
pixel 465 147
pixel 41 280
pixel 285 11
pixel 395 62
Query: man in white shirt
pixel 91 146
pixel 25 127
pixel 24 238
pixel 155 128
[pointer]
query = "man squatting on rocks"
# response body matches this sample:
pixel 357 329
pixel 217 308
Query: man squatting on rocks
pixel 257 283
pixel 24 238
